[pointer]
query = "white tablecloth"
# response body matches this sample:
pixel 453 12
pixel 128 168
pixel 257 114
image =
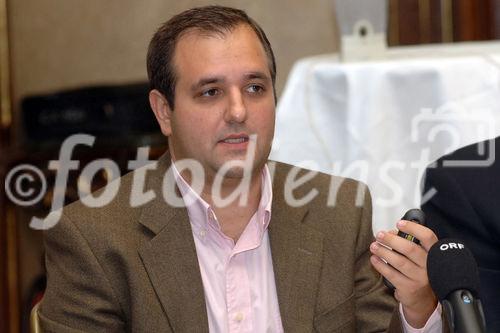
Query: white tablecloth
pixel 383 122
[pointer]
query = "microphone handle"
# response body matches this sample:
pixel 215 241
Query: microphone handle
pixel 464 312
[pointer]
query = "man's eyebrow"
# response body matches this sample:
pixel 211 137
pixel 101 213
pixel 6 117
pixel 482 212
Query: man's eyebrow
pixel 257 75
pixel 219 79
pixel 207 80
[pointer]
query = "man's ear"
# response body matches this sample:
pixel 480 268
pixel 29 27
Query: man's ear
pixel 162 111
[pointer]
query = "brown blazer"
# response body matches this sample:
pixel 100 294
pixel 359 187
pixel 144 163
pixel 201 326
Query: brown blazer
pixel 117 268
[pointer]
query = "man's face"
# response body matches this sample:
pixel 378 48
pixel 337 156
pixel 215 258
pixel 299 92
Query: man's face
pixel 223 95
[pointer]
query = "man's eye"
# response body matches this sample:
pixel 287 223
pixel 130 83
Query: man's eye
pixel 210 92
pixel 255 88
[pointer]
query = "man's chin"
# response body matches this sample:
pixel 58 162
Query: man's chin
pixel 237 169
pixel 235 173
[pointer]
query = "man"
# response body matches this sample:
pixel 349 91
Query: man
pixel 250 263
pixel 464 206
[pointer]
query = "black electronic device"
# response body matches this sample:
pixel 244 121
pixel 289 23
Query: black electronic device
pixel 414 215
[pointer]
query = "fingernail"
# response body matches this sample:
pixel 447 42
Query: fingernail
pixel 374 246
pixel 380 235
pixel 401 223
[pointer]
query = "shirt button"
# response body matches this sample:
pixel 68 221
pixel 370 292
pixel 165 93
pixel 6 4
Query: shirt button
pixel 203 233
pixel 239 317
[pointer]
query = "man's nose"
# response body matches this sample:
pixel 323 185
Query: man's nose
pixel 236 111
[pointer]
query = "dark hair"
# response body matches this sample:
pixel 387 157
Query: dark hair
pixel 207 19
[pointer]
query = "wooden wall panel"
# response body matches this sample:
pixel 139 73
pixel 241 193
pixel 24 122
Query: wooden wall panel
pixel 495 18
pixel 472 20
pixel 434 21
pixel 409 25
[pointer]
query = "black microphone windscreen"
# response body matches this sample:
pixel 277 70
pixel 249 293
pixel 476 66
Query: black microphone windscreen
pixel 451 266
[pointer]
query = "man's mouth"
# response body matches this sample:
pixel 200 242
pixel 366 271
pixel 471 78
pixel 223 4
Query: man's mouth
pixel 235 139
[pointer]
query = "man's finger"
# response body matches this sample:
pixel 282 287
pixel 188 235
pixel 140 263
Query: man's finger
pixel 404 265
pixel 397 279
pixel 425 235
pixel 408 249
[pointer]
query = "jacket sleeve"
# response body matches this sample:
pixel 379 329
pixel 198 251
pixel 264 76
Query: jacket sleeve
pixel 374 302
pixel 79 297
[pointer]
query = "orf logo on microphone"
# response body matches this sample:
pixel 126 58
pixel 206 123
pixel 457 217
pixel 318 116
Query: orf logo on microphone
pixel 446 246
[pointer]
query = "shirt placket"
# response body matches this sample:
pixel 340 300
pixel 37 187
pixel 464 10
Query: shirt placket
pixel 238 295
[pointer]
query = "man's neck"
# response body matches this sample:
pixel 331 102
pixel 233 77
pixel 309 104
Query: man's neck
pixel 234 216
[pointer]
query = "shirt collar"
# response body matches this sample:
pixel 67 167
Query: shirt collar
pixel 200 212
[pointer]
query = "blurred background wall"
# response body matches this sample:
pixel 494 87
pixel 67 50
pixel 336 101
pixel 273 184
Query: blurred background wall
pixel 67 43
pixel 57 44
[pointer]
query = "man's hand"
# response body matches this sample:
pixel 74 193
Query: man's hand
pixel 409 269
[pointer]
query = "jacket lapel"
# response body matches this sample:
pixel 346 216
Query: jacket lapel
pixel 297 251
pixel 172 265
pixel 170 259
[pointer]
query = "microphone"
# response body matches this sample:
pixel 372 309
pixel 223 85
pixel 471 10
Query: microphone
pixel 454 277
